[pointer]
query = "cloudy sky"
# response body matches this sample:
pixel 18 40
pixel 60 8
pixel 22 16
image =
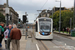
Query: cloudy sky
pixel 31 6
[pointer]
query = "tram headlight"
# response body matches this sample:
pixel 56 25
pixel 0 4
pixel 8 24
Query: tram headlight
pixel 50 32
pixel 39 33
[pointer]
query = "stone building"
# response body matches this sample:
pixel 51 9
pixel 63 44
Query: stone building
pixel 43 13
pixel 13 15
pixel 48 13
pixel 58 8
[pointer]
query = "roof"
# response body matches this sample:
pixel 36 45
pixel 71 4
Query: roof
pixel 1 6
pixel 58 7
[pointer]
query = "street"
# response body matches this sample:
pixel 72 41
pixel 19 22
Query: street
pixel 59 42
pixel 44 24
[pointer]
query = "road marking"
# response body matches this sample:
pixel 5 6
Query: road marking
pixel 37 47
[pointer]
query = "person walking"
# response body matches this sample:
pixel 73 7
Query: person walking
pixel 63 30
pixel 15 36
pixel 69 31
pixel 9 39
pixel 1 33
pixel 6 38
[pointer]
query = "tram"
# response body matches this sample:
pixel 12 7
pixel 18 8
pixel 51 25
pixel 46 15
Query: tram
pixel 44 28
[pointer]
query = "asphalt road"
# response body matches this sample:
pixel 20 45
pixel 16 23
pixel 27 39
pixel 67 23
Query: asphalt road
pixel 64 40
pixel 59 42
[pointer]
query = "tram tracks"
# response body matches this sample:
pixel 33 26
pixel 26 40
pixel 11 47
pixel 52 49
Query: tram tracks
pixel 47 45
pixel 39 43
pixel 50 45
pixel 42 46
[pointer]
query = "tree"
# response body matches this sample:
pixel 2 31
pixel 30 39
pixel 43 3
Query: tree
pixel 65 18
pixel 2 18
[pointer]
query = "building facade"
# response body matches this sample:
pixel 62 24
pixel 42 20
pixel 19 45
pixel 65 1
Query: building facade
pixel 44 13
pixel 48 13
pixel 13 15
pixel 58 8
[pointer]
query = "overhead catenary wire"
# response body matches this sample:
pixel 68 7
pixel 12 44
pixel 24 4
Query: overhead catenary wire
pixel 44 5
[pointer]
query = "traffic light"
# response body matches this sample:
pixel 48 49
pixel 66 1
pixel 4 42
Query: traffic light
pixel 19 20
pixel 24 18
pixel 11 18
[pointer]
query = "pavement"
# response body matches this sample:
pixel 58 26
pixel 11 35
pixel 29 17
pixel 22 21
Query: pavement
pixel 22 44
pixel 23 41
pixel 68 36
pixel 73 38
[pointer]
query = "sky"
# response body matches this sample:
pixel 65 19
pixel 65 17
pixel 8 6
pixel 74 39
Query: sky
pixel 31 6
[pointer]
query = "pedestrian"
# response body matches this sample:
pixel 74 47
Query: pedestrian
pixel 9 39
pixel 6 38
pixel 1 33
pixel 63 30
pixel 69 31
pixel 15 36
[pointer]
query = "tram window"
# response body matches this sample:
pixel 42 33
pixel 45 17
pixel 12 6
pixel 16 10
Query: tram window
pixel 36 27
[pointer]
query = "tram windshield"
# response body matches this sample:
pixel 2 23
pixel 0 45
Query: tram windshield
pixel 45 26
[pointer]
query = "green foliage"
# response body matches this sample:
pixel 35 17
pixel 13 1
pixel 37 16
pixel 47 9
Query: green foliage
pixel 65 18
pixel 2 18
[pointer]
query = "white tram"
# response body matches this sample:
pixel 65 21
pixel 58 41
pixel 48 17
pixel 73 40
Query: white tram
pixel 44 28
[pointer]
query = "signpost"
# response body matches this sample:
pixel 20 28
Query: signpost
pixel 7 16
pixel 74 16
pixel 7 13
pixel 26 31
pixel 73 31
pixel 25 23
pixel 59 17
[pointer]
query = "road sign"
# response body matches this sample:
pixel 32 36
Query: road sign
pixel 7 10
pixel 18 22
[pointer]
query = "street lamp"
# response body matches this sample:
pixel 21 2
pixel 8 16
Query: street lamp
pixel 52 13
pixel 59 17
pixel 70 22
pixel 74 16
